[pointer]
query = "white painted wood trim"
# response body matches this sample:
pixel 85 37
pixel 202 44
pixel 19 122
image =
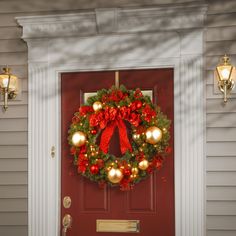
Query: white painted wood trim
pixel 85 50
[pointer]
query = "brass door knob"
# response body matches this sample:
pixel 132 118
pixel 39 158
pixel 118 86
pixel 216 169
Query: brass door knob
pixel 67 223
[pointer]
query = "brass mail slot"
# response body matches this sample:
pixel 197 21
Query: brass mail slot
pixel 118 226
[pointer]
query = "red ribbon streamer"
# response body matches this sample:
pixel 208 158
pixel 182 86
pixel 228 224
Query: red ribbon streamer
pixel 108 132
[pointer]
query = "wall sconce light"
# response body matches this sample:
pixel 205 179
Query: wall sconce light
pixel 225 73
pixel 8 86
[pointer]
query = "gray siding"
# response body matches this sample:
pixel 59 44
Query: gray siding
pixel 13 134
pixel 220 120
pixel 221 125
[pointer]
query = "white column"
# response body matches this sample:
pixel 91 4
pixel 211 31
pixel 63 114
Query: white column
pixel 192 138
pixel 38 151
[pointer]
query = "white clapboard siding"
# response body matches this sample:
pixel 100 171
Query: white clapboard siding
pixel 221 163
pixel 13 178
pixel 209 75
pixel 14 111
pixel 12 45
pixel 217 6
pixel 221 233
pixel 13 230
pixel 13 124
pixel 15 58
pixel 221 222
pixel 221 47
pixel 8 19
pixel 216 208
pixel 13 138
pixel 14 32
pixel 221 34
pixel 13 164
pixel 18 218
pixel 13 205
pixel 13 191
pixel 23 84
pixel 219 120
pixel 15 151
pixel 220 123
pixel 218 106
pixel 221 134
pixel 221 193
pixel 221 178
pixel 219 20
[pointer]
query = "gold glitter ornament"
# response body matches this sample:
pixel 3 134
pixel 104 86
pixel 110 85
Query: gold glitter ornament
pixel 78 139
pixel 134 170
pixel 115 175
pixel 143 165
pixel 97 106
pixel 153 135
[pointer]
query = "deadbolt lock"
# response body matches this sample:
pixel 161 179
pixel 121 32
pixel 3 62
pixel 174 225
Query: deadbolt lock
pixel 66 202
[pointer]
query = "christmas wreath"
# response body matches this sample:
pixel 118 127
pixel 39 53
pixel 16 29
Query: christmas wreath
pixel 99 117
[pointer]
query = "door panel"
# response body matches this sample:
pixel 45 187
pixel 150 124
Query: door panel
pixel 152 200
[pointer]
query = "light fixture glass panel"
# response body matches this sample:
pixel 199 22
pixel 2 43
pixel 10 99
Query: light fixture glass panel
pixel 224 72
pixel 4 82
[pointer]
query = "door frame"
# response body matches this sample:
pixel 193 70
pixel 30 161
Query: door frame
pixel 43 35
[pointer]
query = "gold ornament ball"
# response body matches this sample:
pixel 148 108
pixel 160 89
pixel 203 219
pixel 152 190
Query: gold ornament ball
pixel 136 136
pixel 78 139
pixel 153 135
pixel 164 130
pixel 115 175
pixel 133 176
pixel 143 165
pixel 97 106
pixel 134 170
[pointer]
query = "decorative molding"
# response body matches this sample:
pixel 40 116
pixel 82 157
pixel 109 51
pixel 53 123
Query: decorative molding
pixel 106 20
pixel 114 20
pixel 138 38
pixel 58 25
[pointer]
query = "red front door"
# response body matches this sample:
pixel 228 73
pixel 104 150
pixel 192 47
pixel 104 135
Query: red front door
pixel 152 200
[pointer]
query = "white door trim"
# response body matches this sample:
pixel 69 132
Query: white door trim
pixel 107 39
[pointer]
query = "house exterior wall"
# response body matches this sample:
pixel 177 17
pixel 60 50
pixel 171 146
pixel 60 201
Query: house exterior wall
pixel 220 120
pixel 220 124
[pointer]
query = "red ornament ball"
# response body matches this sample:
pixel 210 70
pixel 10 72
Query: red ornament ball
pixel 100 163
pixel 94 169
pixel 93 131
pixel 127 172
pixel 139 104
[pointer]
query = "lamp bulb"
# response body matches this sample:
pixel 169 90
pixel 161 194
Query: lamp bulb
pixel 5 82
pixel 225 74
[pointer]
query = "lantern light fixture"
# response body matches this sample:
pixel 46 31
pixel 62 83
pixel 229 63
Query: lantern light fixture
pixel 8 86
pixel 225 73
